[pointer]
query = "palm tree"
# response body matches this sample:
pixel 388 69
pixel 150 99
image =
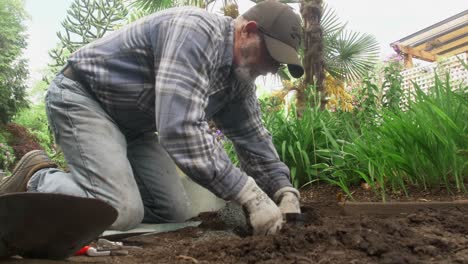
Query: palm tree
pixel 313 61
pixel 330 49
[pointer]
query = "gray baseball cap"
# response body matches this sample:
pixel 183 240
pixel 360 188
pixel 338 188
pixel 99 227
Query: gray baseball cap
pixel 282 31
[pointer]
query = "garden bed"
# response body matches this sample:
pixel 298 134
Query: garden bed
pixel 330 235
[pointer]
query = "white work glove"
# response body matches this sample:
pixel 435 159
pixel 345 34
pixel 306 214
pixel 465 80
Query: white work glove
pixel 264 215
pixel 288 200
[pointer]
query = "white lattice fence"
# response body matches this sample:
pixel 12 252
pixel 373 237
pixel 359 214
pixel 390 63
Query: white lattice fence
pixel 424 75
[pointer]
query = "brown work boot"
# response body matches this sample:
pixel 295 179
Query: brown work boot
pixel 26 167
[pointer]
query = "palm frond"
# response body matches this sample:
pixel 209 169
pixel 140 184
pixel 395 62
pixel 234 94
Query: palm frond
pixel 330 21
pixel 349 55
pixel 150 6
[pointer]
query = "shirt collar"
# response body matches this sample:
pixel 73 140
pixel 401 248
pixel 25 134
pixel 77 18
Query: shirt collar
pixel 226 60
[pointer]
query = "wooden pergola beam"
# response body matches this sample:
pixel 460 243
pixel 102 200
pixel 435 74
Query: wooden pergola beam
pixel 420 54
pixel 443 47
pixel 408 61
pixel 455 51
pixel 442 37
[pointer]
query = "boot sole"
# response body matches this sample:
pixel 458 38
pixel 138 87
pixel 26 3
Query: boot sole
pixel 24 160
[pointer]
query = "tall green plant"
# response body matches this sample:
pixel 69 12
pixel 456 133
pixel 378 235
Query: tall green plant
pixel 368 102
pixel 299 139
pixel 425 145
pixel 13 68
pixel 393 93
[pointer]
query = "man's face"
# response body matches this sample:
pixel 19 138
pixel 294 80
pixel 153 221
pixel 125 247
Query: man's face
pixel 254 59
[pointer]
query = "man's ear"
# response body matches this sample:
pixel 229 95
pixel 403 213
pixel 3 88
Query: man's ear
pixel 251 27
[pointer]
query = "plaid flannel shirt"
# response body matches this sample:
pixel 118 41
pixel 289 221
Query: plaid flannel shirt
pixel 175 66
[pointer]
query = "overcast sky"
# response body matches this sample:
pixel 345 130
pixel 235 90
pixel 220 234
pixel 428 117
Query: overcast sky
pixel 387 20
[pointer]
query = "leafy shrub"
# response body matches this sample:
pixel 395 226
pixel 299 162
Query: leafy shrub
pixel 35 119
pixel 7 156
pixel 21 140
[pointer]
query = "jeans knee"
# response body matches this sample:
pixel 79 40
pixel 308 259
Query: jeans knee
pixel 130 215
pixel 178 212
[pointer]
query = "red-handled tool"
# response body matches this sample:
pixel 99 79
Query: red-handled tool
pixel 105 247
pixel 92 252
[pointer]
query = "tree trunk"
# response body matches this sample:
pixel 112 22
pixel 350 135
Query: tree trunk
pixel 311 11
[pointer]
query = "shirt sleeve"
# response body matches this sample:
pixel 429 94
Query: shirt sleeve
pixel 182 71
pixel 241 122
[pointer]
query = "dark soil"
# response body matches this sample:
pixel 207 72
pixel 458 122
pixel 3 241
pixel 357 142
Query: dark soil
pixel 327 236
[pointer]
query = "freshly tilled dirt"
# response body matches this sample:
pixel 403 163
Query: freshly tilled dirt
pixel 423 237
pixel 327 235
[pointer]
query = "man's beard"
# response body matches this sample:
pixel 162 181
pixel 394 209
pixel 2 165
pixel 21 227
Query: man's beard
pixel 244 74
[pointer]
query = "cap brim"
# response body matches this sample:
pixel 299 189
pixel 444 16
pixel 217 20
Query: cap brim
pixel 285 54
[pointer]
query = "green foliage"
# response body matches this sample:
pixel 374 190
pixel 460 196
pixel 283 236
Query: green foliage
pixel 146 7
pixel 367 112
pixel 141 8
pixel 424 145
pixel 348 55
pixel 392 84
pixel 37 92
pixel 150 6
pixel 7 157
pixel 13 69
pixel 299 138
pixel 379 89
pixel 35 119
pixel 231 151
pixel 87 20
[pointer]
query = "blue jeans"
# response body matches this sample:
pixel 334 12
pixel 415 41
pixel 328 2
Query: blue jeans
pixel 130 171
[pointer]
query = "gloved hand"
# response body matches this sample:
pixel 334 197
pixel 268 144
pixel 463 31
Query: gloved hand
pixel 264 215
pixel 288 200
